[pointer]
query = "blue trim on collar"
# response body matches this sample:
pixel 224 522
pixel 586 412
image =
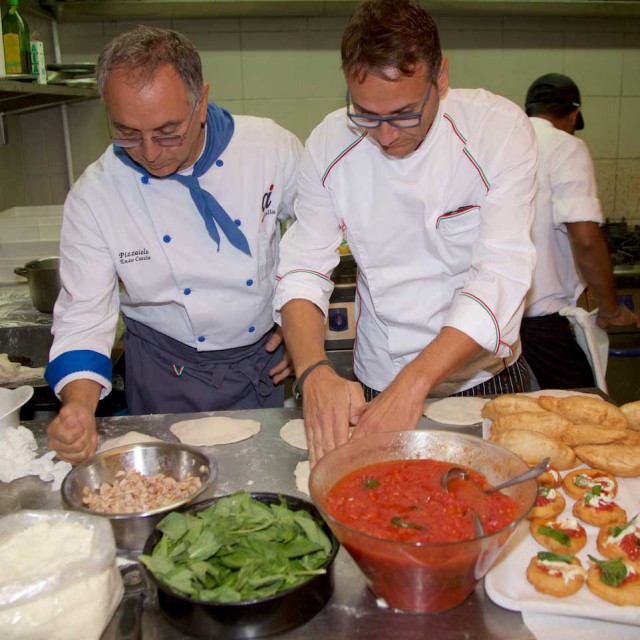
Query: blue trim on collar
pixel 75 361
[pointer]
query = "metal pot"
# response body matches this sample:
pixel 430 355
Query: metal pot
pixel 44 282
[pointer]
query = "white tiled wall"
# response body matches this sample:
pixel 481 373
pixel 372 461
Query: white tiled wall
pixel 289 69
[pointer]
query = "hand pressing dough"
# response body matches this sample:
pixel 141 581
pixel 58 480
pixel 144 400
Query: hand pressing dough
pixel 131 437
pixel 302 473
pixel 293 433
pixel 457 410
pixel 203 432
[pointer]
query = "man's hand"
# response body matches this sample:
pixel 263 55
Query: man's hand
pixel 72 433
pixel 620 318
pixel 397 408
pixel 329 404
pixel 284 368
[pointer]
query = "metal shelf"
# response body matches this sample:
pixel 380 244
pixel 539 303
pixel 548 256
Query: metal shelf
pixel 23 96
pixel 110 10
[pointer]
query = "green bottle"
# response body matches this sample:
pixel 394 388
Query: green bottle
pixel 16 41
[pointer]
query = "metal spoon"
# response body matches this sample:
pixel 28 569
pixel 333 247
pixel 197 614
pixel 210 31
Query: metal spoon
pixel 534 472
pixel 452 474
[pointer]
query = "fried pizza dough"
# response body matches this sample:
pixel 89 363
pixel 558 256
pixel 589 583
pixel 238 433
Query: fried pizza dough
pixel 631 411
pixel 618 459
pixel 616 581
pixel 509 403
pixel 620 541
pixel 577 483
pixel 581 409
pixel 560 535
pixel 545 422
pixel 579 434
pixel 549 503
pixel 550 478
pixel 598 509
pixel 555 574
pixel 533 447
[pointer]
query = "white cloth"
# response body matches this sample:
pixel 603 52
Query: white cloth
pixel 441 237
pixel 551 627
pixel 18 458
pixel 566 193
pixel 118 225
pixel 593 340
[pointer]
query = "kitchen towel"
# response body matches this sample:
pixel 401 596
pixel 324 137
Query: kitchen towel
pixel 593 340
pixel 15 372
pixel 18 458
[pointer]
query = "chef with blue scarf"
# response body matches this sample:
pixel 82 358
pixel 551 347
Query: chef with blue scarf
pixel 176 226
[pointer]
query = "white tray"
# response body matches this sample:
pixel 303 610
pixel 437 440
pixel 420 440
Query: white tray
pixel 506 584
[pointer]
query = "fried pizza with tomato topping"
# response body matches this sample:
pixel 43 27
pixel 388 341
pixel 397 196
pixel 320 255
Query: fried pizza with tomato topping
pixel 620 541
pixel 549 504
pixel 598 509
pixel 578 482
pixel 562 535
pixel 556 574
pixel 550 478
pixel 616 581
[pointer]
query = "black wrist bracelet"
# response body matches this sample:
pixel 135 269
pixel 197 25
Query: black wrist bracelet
pixel 297 385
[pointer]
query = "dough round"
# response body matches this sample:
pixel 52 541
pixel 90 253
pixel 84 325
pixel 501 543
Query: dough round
pixel 293 433
pixel 457 410
pixel 549 504
pixel 131 437
pixel 302 473
pixel 557 580
pixel 203 432
pixel 577 483
pixel 615 514
pixel 575 531
pixel 550 478
pixel 626 594
pixel 613 548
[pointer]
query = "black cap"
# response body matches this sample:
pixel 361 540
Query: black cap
pixel 554 89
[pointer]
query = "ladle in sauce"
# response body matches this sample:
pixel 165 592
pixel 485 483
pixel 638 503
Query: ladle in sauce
pixel 534 472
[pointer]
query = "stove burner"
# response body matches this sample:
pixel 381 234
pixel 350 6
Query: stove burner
pixel 623 241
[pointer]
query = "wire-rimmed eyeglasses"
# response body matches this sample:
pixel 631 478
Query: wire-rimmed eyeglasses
pixel 400 121
pixel 161 141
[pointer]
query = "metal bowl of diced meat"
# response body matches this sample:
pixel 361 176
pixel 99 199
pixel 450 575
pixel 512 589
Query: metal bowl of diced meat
pixel 136 485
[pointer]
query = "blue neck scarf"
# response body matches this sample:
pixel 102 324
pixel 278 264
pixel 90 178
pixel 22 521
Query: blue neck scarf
pixel 220 128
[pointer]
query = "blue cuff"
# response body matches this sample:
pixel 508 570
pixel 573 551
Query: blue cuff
pixel 73 361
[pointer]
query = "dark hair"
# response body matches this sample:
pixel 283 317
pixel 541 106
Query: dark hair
pixel 396 34
pixel 143 50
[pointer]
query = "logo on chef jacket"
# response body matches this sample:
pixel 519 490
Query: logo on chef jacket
pixel 139 255
pixel 266 204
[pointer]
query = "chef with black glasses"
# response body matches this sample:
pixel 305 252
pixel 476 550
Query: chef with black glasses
pixel 176 225
pixel 432 188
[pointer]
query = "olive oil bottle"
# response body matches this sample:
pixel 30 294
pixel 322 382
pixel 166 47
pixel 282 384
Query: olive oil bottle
pixel 15 38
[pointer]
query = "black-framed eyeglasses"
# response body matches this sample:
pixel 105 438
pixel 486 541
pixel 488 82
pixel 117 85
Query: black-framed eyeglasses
pixel 161 141
pixel 400 121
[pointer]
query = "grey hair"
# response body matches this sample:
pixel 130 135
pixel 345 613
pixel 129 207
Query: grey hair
pixel 143 50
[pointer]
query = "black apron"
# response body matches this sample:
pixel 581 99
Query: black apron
pixel 163 375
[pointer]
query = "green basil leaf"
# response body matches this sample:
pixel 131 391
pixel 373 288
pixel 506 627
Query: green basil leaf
pixel 581 480
pixel 549 556
pixel 397 521
pixel 370 483
pixel 559 536
pixel 612 572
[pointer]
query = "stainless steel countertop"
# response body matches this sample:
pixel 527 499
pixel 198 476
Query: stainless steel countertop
pixel 266 463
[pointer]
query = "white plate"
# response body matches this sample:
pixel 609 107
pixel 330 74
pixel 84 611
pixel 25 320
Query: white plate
pixel 506 583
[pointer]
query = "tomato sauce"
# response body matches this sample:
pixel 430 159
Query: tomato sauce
pixel 402 502
pixel 630 544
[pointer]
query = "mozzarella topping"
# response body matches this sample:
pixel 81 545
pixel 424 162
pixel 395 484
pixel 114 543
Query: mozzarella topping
pixel 568 523
pixel 628 529
pixel 588 482
pixel 567 571
pixel 554 474
pixel 598 501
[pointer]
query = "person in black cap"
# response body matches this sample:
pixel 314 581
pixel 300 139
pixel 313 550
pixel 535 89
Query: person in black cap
pixel 572 251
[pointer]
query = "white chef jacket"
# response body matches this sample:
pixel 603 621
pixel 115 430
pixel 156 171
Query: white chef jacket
pixel 441 237
pixel 148 233
pixel 566 193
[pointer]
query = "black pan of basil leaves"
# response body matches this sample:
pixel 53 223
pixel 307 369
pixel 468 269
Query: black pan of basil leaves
pixel 238 578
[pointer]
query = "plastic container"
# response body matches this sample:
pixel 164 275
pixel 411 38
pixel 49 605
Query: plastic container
pixel 54 586
pixel 414 576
